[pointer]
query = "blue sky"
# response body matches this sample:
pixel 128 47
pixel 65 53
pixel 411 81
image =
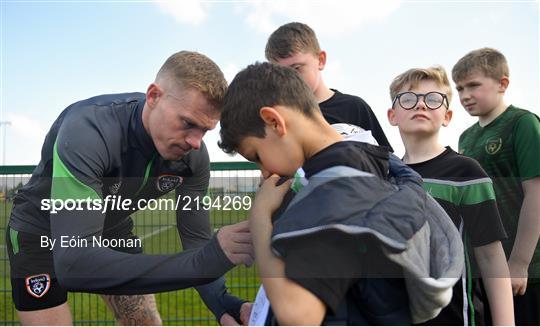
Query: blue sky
pixel 54 53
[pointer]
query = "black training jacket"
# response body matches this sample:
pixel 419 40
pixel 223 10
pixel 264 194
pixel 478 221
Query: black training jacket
pixel 99 147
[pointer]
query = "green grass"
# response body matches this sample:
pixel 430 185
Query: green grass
pixel 182 307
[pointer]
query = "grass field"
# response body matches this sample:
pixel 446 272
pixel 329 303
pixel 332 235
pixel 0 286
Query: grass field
pixel 159 235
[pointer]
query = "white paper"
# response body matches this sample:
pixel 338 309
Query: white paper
pixel 259 312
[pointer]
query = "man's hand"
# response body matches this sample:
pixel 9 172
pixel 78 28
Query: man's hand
pixel 245 312
pixel 519 275
pixel 235 241
pixel 228 320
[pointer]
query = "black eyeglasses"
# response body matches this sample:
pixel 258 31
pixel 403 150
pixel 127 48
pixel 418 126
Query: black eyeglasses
pixel 433 100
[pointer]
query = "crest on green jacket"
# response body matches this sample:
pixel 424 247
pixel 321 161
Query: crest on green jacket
pixel 493 145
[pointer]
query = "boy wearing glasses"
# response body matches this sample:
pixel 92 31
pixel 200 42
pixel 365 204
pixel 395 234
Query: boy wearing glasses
pixel 506 142
pixel 420 106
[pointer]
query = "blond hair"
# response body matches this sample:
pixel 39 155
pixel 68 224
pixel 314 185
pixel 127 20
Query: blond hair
pixel 414 76
pixel 290 39
pixel 189 69
pixel 488 61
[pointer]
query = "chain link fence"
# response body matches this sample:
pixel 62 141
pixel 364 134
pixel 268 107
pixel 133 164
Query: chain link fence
pixel 158 232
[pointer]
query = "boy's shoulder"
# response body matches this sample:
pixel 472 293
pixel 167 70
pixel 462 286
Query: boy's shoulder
pixel 514 114
pixel 351 109
pixel 467 132
pixel 464 166
pixel 450 165
pixel 343 99
pixel 510 116
pixel 507 122
pixel 357 155
pixel 467 167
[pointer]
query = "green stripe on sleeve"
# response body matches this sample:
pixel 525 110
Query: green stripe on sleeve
pixel 65 185
pixel 14 238
pixel 461 193
pixel 146 174
pixel 443 191
pixel 478 193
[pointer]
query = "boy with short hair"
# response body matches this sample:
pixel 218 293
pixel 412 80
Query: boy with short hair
pixel 506 143
pixel 420 106
pixel 296 45
pixel 347 221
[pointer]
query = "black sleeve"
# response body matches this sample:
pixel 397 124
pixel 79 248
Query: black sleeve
pixel 482 223
pixel 326 264
pixel 369 121
pixel 193 222
pixel 78 167
pixel 195 232
pixel 478 206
